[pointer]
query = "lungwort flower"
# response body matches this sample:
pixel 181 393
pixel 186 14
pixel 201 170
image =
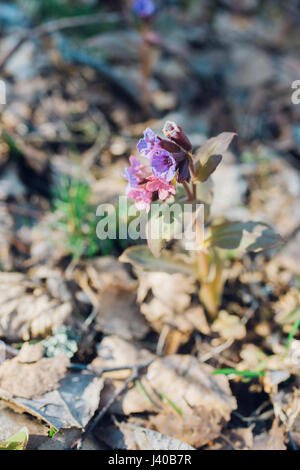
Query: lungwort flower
pixel 168 162
pixel 141 197
pixel 163 163
pixel 143 186
pixel 161 186
pixel 144 8
pixel 149 142
pixel 136 173
pixel 174 132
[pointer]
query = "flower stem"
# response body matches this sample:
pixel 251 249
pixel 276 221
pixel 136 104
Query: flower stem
pixel 145 68
pixel 207 291
pixel 188 191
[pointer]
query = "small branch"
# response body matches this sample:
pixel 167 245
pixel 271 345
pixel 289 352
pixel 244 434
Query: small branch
pixel 217 350
pixel 77 444
pixel 12 351
pixel 53 26
pixel 32 213
pixel 145 69
pixel 103 370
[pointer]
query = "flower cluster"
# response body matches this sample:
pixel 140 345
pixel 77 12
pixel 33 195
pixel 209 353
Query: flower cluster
pixel 144 8
pixel 168 163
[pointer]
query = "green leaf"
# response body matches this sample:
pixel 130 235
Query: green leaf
pixel 208 168
pixel 214 146
pixel 245 236
pixel 52 432
pixel 209 155
pixel 163 225
pixel 244 373
pixel 16 442
pixel 141 256
pixel 155 246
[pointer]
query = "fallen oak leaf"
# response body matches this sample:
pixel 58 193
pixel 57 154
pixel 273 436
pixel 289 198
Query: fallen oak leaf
pixel 204 400
pixel 116 352
pixel 71 405
pixel 112 292
pixel 32 379
pixel 229 326
pixel 27 308
pixel 272 440
pixel 171 299
pixel 132 437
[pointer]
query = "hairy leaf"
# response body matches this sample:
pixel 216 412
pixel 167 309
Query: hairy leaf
pixel 214 146
pixel 209 155
pixel 164 225
pixel 245 236
pixel 141 256
pixel 208 168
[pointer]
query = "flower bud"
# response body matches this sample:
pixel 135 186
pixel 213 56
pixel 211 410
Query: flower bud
pixel 169 146
pixel 174 132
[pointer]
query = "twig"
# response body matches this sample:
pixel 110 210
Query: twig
pixel 77 444
pixel 79 56
pixel 12 351
pixel 216 350
pixel 33 213
pixel 145 68
pixel 263 417
pixel 162 339
pixel 255 416
pixel 51 27
pixel 227 441
pixel 103 370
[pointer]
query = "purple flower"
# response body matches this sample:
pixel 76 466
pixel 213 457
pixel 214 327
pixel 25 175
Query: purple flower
pixel 184 171
pixel 144 8
pixel 148 183
pixel 163 163
pixel 182 166
pixel 148 143
pixel 136 173
pixel 181 158
pixel 161 186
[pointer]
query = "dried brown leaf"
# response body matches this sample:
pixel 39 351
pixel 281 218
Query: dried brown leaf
pixel 272 440
pixel 33 379
pixel 171 298
pixel 139 438
pixel 112 292
pixel 114 351
pixel 198 403
pixel 229 326
pixel 27 309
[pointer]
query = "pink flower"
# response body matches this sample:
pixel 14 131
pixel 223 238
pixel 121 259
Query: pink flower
pixel 142 197
pixel 163 187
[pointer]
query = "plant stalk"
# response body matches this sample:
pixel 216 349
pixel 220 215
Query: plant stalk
pixel 145 68
pixel 207 291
